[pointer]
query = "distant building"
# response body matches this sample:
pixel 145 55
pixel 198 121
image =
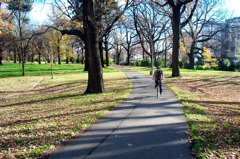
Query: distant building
pixel 226 43
pixel 212 30
pixel 231 38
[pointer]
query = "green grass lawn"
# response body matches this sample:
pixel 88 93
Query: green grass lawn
pixel 15 70
pixel 38 114
pixel 211 102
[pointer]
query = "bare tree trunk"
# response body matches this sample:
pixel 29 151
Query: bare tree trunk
pixel 73 60
pixel 118 59
pixel 51 60
pixel 23 60
pixel 15 56
pixel 101 52
pixel 95 78
pixel 19 57
pixel 152 49
pixel 32 58
pixel 191 56
pixel 39 58
pixel 1 56
pixel 176 37
pixel 128 56
pixel 106 50
pixel 82 60
pixel 118 55
pixel 165 58
pixel 143 53
pixel 54 59
pixel 59 58
pixel 165 52
pixel 22 50
pixel 86 61
pixel 67 59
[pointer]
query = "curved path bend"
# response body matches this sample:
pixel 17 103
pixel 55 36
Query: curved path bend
pixel 142 127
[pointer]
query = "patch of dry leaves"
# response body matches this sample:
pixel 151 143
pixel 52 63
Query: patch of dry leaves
pixel 220 94
pixel 38 119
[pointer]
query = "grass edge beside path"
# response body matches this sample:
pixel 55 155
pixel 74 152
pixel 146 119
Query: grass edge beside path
pixel 211 137
pixel 192 112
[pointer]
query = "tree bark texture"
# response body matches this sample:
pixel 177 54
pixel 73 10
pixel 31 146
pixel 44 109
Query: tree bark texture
pixel 19 56
pixel 95 77
pixel 86 61
pixel 23 60
pixel 82 59
pixel 101 52
pixel 15 57
pixel 128 57
pixel 118 56
pixel 106 51
pixel 59 56
pixel 191 56
pixel 67 60
pixel 176 37
pixel 1 56
pixel 39 58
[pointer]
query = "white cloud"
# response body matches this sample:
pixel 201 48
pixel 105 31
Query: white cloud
pixel 233 6
pixel 39 13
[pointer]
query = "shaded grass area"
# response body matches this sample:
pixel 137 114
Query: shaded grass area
pixel 211 102
pixel 38 114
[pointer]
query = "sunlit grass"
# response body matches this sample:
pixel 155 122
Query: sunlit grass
pixel 38 113
pixel 15 70
pixel 184 72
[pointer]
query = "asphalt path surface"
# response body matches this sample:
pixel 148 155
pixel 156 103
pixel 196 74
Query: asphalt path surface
pixel 142 127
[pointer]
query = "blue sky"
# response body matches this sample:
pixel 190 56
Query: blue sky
pixel 39 13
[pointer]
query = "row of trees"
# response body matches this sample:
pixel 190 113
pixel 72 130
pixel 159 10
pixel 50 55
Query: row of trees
pixel 150 26
pixel 155 25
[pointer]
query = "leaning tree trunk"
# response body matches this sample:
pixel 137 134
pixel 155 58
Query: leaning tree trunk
pixel 176 38
pixel 95 77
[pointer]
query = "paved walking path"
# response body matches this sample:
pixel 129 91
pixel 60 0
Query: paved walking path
pixel 143 127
